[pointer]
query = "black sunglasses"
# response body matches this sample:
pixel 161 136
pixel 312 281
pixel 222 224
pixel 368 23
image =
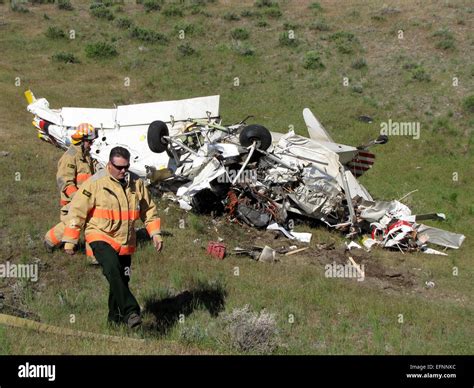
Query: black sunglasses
pixel 120 168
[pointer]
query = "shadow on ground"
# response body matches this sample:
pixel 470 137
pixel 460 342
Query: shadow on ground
pixel 167 311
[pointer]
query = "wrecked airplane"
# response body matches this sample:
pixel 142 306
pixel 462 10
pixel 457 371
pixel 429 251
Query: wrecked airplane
pixel 257 177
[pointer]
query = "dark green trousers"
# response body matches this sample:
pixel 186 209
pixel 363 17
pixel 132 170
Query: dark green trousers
pixel 116 269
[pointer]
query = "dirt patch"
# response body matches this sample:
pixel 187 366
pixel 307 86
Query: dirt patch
pixel 376 273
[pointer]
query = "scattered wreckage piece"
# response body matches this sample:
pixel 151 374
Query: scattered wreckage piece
pixel 393 226
pixel 216 249
pixel 296 251
pixel 259 178
pixel 268 255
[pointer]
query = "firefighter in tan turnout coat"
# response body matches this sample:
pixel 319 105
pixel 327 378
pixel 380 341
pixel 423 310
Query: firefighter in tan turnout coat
pixel 74 168
pixel 107 206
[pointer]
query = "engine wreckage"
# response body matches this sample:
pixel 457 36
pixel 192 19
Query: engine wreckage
pixel 260 178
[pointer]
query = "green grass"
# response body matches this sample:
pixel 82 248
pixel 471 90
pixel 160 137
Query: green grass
pixel 4 342
pixel 331 316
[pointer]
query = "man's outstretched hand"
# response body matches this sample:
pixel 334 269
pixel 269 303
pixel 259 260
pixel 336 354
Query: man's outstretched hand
pixel 69 249
pixel 157 242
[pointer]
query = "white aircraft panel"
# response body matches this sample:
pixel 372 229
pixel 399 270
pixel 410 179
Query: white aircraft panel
pixel 99 118
pixel 142 114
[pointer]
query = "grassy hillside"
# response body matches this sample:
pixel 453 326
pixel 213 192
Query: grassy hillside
pixel 408 61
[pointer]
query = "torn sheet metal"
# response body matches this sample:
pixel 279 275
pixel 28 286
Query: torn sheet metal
pixel 423 217
pixel 317 197
pixel 212 170
pixel 351 245
pixel 431 251
pixel 399 235
pixel 441 237
pixel 253 217
pixel 298 236
pixel 356 189
pixel 279 175
pixel 383 211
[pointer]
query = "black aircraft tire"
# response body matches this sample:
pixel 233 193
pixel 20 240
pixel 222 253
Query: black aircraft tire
pixel 156 131
pixel 257 133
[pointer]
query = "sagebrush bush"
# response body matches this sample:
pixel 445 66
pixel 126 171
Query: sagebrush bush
pixel 231 16
pixel 244 49
pixel 320 25
pixel 272 12
pixel 312 60
pixel 173 10
pixel 357 88
pixel 420 74
pixel 316 7
pixel 65 5
pixel 443 33
pixel 240 34
pixel 446 39
pixel 287 39
pixel 290 26
pixel 192 334
pixel 446 44
pixel 152 5
pixel 64 57
pixel 187 28
pixel 266 3
pixel 345 41
pixel 441 124
pixel 123 23
pixel 359 63
pixel 100 50
pixel 54 32
pixel 248 13
pixel 343 36
pixel 251 332
pixel 100 11
pixel 185 50
pixel 378 18
pixel 468 104
pixel 148 35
